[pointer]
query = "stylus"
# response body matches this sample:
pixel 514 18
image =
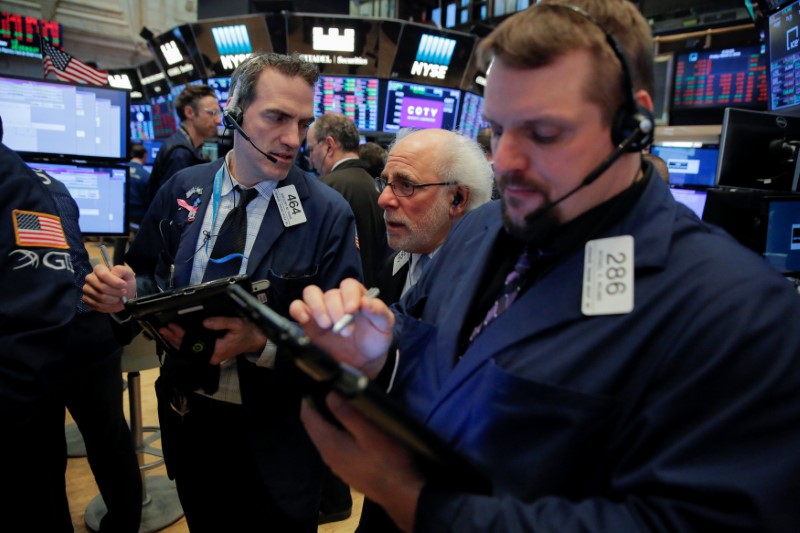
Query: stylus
pixel 107 261
pixel 346 319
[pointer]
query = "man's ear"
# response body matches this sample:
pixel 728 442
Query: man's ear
pixel 458 204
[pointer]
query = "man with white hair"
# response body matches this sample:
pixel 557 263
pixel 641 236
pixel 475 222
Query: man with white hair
pixel 432 177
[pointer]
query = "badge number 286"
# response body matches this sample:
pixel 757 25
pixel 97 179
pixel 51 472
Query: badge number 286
pixel 608 276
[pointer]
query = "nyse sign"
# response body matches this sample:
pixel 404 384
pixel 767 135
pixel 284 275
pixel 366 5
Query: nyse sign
pixel 420 68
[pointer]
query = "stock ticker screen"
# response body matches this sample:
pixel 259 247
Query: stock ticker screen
pixel 420 106
pixel 733 77
pixel 356 98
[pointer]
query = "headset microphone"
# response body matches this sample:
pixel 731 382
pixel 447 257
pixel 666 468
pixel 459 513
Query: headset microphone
pixel 641 132
pixel 233 119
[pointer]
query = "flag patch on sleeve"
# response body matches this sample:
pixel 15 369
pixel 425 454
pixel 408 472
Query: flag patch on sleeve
pixel 38 229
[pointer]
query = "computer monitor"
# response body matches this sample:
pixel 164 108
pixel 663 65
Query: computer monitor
pixel 152 146
pixel 165 120
pixel 782 248
pixel 410 105
pixel 142 122
pixel 758 150
pixel 99 190
pixel 689 167
pixel 784 50
pixel 43 118
pixel 471 121
pixel 694 199
pixel 705 82
pixel 356 98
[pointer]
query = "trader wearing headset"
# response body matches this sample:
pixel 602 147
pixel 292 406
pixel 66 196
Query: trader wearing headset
pixel 232 436
pixel 586 343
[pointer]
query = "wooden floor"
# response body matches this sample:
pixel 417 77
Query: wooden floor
pixel 81 488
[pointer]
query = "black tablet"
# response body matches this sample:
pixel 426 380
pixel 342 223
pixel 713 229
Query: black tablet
pixel 436 458
pixel 187 307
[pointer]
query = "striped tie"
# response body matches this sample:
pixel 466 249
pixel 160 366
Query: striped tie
pixel 511 288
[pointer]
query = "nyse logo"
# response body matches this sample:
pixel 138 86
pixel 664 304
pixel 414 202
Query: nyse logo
pixel 232 61
pixel 171 53
pixel 433 56
pixel 120 81
pixel 792 40
pixel 332 41
pixel 232 40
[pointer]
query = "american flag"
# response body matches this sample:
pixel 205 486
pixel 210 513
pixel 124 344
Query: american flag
pixel 38 229
pixel 67 68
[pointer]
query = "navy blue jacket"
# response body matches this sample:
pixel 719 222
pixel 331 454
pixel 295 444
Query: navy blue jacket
pixel 45 329
pixel 320 252
pixel 683 415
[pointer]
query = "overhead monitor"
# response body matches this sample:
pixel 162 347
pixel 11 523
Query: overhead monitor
pixel 689 167
pixel 758 150
pixel 128 79
pixel 142 122
pixel 431 56
pixel 99 191
pixel 782 248
pixel 338 45
pixel 471 121
pixel 705 82
pixel 154 82
pixel 410 105
pixel 694 199
pixel 64 120
pixel 225 42
pixel 176 52
pixel 21 35
pixel 784 50
pixel 356 98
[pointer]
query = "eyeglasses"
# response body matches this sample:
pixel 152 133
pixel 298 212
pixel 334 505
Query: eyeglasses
pixel 404 188
pixel 212 112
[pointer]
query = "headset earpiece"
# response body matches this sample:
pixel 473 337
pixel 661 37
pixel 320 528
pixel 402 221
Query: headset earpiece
pixel 626 123
pixel 457 199
pixel 631 116
pixel 233 117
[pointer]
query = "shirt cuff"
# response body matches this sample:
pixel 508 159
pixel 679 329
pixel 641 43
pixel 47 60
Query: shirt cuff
pixel 266 359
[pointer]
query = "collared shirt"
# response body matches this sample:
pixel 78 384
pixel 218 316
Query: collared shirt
pixel 228 390
pixel 416 268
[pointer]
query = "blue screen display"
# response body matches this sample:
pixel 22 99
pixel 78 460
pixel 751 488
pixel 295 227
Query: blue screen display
pixel 689 167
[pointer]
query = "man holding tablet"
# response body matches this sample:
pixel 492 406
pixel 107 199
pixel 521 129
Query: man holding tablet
pixel 233 438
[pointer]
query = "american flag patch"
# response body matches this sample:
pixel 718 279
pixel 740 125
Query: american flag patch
pixel 38 229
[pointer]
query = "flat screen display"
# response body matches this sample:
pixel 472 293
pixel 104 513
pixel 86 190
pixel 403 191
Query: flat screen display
pixel 758 150
pixel 165 121
pixel 689 167
pixel 784 50
pixel 471 121
pixel 99 192
pixel 782 249
pixel 48 118
pixel 409 105
pixel 428 55
pixel 692 198
pixel 175 50
pixel 142 122
pixel 224 43
pixel 733 77
pixel 356 98
pixel 707 82
pixel 152 147
pixel 339 46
